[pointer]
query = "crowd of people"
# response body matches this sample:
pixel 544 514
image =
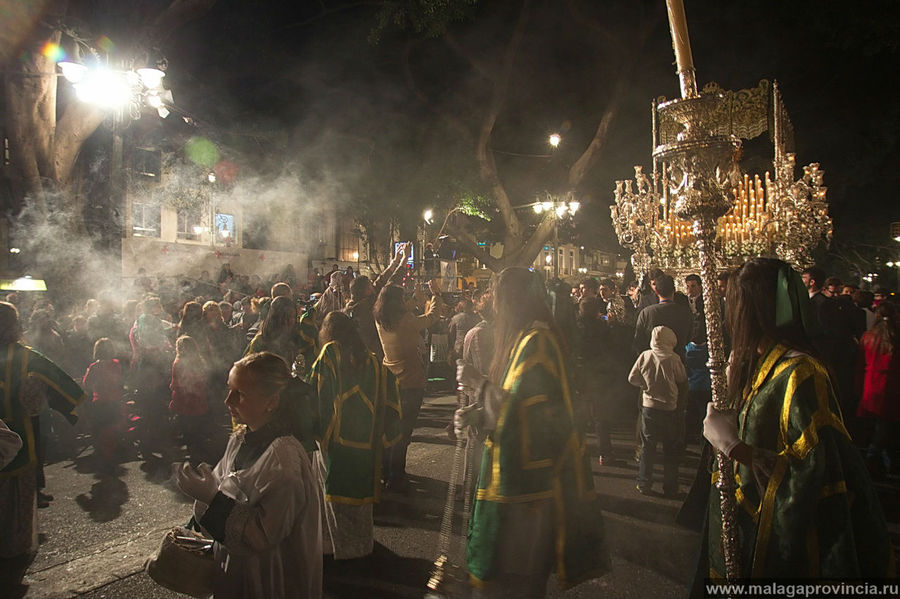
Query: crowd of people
pixel 323 381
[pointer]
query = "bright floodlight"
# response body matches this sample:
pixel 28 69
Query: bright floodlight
pixel 538 208
pixel 104 88
pixel 560 210
pixel 890 264
pixel 573 207
pixel 428 215
pixel 554 139
pixel 72 71
pixel 151 78
pixel 547 206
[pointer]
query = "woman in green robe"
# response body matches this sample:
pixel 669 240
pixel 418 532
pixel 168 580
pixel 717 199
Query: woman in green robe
pixel 359 417
pixel 535 507
pixel 806 507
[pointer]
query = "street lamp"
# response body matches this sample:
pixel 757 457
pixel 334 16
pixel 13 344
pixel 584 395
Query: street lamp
pixel 118 90
pixel 554 139
pixel 557 208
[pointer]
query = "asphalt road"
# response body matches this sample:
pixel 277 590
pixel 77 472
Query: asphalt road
pixel 98 531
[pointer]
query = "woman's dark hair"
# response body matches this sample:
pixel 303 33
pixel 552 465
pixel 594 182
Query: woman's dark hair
pixel 390 307
pixel 883 334
pixel 519 300
pixel 281 319
pixel 337 326
pixel 191 317
pixel 10 330
pixel 751 321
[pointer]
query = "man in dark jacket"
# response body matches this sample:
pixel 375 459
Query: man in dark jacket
pixel 668 312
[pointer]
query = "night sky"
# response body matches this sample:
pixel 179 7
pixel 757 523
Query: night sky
pixel 287 86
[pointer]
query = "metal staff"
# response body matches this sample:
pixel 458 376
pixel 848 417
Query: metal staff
pixel 437 581
pixel 699 163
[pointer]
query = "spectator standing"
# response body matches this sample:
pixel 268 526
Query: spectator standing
pixel 400 333
pixel 674 315
pixel 460 324
pixel 103 380
pixel 878 377
pixel 660 375
pixel 189 398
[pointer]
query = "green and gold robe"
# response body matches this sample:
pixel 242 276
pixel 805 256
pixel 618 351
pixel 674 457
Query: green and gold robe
pixel 359 416
pixel 536 455
pixel 17 363
pixel 807 508
pixel 309 339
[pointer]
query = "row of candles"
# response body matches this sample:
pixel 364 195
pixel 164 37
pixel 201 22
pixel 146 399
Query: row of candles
pixel 748 216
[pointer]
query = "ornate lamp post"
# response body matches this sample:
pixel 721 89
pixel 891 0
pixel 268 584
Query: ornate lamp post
pixel 557 208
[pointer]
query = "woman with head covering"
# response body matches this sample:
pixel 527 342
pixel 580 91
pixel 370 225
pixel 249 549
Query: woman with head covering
pixel 535 507
pixel 805 505
pixel 359 417
pixel 261 502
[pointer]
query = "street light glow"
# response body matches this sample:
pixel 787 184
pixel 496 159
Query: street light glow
pixel 428 215
pixel 104 88
pixel 554 139
pixel 72 71
pixel 151 78
pixel 356 255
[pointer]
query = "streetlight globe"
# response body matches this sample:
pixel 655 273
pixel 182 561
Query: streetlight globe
pixel 548 258
pixel 573 207
pixel 151 78
pixel 428 215
pixel 538 208
pixel 104 88
pixel 72 71
pixel 154 101
pixel 554 139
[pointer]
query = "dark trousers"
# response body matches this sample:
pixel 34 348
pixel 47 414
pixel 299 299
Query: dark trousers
pixel 410 403
pixel 660 426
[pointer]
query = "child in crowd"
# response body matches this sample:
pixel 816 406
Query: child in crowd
pixel 659 373
pixel 189 403
pixel 103 379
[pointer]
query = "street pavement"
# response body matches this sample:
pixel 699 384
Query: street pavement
pixel 98 531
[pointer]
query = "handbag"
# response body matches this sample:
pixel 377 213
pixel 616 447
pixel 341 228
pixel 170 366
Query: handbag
pixel 184 563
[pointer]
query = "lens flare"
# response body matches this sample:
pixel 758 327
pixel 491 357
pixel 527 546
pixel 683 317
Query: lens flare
pixel 200 150
pixel 105 44
pixel 53 52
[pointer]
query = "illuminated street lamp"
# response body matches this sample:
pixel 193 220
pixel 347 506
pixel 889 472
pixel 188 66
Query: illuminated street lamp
pixel 554 139
pixel 558 208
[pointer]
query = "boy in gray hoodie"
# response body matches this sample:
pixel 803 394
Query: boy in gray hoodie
pixel 659 373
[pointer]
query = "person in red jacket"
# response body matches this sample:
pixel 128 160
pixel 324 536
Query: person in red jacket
pixel 103 379
pixel 188 386
pixel 878 377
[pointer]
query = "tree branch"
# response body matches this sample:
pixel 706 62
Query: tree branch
pixel 531 248
pixel 487 165
pixel 479 66
pixel 470 245
pixel 580 167
pixel 77 123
